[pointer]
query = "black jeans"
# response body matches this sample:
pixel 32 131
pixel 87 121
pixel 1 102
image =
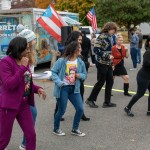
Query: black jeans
pixel 93 59
pixel 82 90
pixel 104 74
pixel 142 86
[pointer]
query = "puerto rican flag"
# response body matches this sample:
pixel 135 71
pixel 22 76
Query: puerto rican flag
pixel 52 22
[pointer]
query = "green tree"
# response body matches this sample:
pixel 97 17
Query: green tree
pixel 123 12
pixel 77 6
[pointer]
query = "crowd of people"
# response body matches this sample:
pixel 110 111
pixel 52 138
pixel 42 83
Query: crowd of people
pixel 68 73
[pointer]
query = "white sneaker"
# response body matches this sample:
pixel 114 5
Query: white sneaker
pixel 59 132
pixel 91 64
pixel 22 147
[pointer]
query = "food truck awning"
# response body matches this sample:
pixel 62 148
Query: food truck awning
pixel 70 21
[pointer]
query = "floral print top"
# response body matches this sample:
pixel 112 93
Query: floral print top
pixel 27 77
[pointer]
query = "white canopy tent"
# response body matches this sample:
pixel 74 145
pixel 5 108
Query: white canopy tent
pixel 70 21
pixel 5 4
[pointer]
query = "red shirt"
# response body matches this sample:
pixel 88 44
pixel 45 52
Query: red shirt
pixel 117 55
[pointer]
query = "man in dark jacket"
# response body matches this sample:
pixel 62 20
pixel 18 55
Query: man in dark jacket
pixel 86 49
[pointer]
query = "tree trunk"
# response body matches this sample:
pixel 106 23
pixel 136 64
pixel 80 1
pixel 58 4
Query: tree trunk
pixel 128 28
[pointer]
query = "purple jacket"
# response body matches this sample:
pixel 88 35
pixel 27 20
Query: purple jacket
pixel 12 84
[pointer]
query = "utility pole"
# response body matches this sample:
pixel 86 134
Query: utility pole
pixel 53 1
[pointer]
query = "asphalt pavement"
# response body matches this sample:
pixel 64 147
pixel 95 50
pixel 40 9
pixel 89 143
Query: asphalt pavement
pixel 108 129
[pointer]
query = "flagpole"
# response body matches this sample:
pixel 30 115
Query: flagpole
pixel 53 2
pixel 83 19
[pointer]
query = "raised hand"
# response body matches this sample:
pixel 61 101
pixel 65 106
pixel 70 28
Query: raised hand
pixel 24 61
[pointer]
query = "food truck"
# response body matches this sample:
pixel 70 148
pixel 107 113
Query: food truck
pixel 9 19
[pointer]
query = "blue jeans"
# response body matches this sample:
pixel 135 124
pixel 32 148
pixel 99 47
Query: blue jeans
pixel 133 52
pixel 34 115
pixel 139 55
pixel 67 92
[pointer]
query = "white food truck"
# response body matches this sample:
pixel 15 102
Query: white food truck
pixel 9 19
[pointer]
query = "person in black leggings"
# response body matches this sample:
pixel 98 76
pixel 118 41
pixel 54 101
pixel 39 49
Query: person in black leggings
pixel 143 83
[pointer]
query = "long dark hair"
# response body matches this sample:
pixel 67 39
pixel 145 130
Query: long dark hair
pixel 109 26
pixel 70 49
pixel 16 47
pixel 73 36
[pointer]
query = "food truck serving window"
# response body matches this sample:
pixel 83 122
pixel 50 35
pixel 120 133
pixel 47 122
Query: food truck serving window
pixel 7 32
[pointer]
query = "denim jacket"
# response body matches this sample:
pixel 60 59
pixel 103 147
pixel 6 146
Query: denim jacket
pixel 134 42
pixel 58 74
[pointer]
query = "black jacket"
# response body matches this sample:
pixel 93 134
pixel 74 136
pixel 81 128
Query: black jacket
pixel 86 48
pixel 144 72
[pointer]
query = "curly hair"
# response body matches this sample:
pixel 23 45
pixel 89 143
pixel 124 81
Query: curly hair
pixel 32 57
pixel 70 49
pixel 109 26
pixel 73 36
pixel 94 35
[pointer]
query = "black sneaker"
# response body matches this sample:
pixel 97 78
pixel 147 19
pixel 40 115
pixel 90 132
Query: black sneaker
pixel 77 132
pixel 62 119
pixel 127 94
pixel 84 118
pixel 106 105
pixel 128 111
pixel 58 132
pixel 148 113
pixel 91 104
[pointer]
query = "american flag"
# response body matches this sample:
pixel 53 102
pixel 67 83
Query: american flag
pixel 92 18
pixel 52 22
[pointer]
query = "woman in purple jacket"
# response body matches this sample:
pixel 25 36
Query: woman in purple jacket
pixel 17 93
